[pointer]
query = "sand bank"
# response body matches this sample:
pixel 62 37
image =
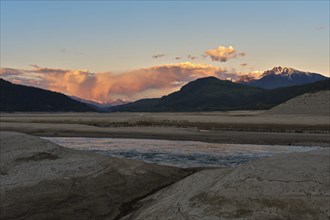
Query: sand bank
pixel 171 133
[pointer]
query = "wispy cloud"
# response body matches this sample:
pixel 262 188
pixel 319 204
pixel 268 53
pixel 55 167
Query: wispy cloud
pixel 156 56
pixel 321 28
pixel 153 81
pixel 222 53
pixel 190 57
pixel 21 76
pixel 34 66
pixel 66 51
pixel 9 72
pixel 247 77
pixel 38 69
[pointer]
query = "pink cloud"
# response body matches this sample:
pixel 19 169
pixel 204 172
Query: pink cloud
pixel 223 54
pixel 153 81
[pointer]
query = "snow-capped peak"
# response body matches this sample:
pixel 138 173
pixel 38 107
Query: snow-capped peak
pixel 280 70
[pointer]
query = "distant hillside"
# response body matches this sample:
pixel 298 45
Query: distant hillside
pixel 305 104
pixel 15 97
pixel 98 106
pixel 204 94
pixel 101 107
pixel 282 77
pixel 213 94
pixel 273 97
pixel 208 93
pixel 139 106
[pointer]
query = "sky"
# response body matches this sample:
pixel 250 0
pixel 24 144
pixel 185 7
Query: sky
pixel 108 50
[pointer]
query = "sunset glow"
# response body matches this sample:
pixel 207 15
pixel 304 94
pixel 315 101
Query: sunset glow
pixel 106 87
pixel 148 52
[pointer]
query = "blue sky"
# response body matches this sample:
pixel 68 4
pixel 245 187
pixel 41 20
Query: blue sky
pixel 89 43
pixel 111 36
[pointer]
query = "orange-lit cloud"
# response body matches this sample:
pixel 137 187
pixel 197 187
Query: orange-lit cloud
pixel 154 81
pixel 223 54
pixel 247 77
pixel 21 76
pixel 9 72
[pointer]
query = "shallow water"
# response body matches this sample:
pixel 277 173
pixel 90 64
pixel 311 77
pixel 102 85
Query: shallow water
pixel 177 153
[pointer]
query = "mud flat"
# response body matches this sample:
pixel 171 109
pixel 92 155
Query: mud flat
pixel 228 121
pixel 293 186
pixel 41 180
pixel 304 120
pixel 238 127
pixel 308 114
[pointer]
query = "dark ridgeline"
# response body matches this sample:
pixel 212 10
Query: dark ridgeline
pixel 204 94
pixel 29 99
pixel 284 77
pixel 213 94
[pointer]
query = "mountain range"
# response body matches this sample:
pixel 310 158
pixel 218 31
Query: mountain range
pixel 101 107
pixel 281 77
pixel 213 94
pixel 96 105
pixel 15 97
pixel 205 94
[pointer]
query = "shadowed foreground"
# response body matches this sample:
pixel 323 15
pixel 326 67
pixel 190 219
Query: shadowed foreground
pixel 41 180
pixel 293 186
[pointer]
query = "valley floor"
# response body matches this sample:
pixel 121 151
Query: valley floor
pixel 240 127
pixel 82 185
pixel 41 180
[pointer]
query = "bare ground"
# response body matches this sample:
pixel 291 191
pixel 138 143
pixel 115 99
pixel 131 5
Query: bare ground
pixel 41 180
pixel 249 127
pixel 80 185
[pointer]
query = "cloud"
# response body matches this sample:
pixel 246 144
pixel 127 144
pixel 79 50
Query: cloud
pixel 222 54
pixel 156 56
pixel 9 72
pixel 66 51
pixel 320 28
pixel 46 70
pixel 177 58
pixel 148 82
pixel 133 84
pixel 34 66
pixel 190 57
pixel 247 77
pixel 21 76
